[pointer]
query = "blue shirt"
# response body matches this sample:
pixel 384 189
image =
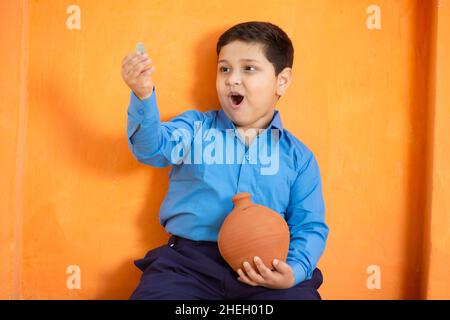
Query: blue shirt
pixel 199 195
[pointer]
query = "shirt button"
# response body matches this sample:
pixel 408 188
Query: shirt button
pixel 141 112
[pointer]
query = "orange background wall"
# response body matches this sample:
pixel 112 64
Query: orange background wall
pixel 372 104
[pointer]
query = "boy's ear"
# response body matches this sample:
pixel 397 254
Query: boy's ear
pixel 284 80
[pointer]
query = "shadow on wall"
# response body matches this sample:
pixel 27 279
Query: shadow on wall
pixel 75 138
pixel 96 150
pixel 415 268
pixel 204 85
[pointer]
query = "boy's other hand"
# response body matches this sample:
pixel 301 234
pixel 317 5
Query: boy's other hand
pixel 281 278
pixel 136 73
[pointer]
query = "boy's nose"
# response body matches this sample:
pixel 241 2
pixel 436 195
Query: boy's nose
pixel 234 79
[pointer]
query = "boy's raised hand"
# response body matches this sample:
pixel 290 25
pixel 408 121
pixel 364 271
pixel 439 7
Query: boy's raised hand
pixel 281 278
pixel 136 73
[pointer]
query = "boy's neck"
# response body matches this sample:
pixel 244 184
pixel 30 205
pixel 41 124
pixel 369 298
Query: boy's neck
pixel 248 134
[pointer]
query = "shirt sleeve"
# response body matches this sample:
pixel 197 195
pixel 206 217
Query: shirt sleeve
pixel 154 142
pixel 305 217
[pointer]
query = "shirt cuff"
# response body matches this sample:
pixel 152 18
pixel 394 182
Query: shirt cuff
pixel 146 108
pixel 299 272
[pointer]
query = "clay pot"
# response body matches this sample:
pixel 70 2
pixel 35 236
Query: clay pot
pixel 252 230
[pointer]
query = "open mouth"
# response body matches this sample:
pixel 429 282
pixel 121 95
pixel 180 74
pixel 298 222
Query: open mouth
pixel 236 99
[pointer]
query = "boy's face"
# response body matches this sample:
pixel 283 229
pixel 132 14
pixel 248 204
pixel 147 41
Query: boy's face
pixel 254 79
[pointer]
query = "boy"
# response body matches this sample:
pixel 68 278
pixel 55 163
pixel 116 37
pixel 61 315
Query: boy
pixel 254 70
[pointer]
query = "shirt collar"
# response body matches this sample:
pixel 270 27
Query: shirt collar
pixel 223 122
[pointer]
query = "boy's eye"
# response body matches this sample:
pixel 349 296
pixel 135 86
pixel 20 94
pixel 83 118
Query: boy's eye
pixel 222 69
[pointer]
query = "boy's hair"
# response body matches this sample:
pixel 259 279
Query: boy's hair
pixel 277 47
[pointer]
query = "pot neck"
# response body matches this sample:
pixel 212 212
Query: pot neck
pixel 242 200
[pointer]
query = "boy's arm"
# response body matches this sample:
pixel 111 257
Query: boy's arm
pixel 305 217
pixel 151 141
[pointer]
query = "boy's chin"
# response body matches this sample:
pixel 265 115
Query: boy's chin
pixel 239 119
pixel 238 124
pixel 232 115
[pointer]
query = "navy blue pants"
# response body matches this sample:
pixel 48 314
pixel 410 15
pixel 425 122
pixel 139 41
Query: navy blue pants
pixel 189 270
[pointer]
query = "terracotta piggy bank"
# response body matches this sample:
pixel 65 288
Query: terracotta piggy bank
pixel 252 230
